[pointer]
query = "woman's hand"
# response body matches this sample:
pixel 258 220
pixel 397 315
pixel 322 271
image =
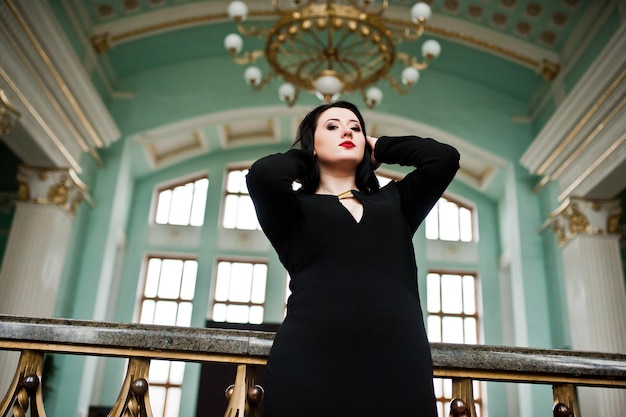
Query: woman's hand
pixel 372 142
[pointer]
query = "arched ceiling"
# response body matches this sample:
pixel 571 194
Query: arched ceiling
pixel 502 46
pixel 500 43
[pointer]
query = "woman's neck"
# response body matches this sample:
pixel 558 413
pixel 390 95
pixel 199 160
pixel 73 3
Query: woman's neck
pixel 336 184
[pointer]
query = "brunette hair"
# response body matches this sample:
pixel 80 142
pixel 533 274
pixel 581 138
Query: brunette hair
pixel 365 178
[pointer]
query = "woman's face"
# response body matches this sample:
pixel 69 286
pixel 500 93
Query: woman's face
pixel 339 138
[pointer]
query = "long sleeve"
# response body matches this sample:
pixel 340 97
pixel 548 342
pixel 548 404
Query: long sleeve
pixel 270 183
pixel 435 166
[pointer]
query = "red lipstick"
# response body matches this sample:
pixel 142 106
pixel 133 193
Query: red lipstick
pixel 347 144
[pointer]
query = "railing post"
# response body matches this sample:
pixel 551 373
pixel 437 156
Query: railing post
pixel 565 401
pixel 25 389
pixel 463 393
pixel 134 399
pixel 244 395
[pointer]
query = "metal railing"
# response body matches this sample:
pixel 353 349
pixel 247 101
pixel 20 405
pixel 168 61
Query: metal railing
pixel 34 337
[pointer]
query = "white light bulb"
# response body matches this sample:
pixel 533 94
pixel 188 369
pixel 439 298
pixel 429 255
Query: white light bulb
pixel 431 49
pixel 238 10
pixel 233 43
pixel 410 76
pixel 420 10
pixel 286 92
pixel 374 96
pixel 328 85
pixel 253 75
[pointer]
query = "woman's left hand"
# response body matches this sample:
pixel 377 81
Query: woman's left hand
pixel 372 142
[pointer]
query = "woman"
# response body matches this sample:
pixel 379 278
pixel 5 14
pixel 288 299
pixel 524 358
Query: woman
pixel 353 342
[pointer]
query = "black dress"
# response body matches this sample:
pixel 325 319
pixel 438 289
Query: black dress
pixel 353 342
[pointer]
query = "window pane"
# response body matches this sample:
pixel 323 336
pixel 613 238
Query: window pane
pixel 258 283
pixel 470 331
pixel 233 184
pixel 199 202
pixel 157 400
pixel 469 295
pixel 171 274
pixel 231 203
pixel 223 281
pixel 152 277
pixel 449 220
pixel 256 314
pixel 177 372
pixel 184 314
pixel 246 214
pixel 163 206
pixel 240 282
pixel 188 286
pixel 452 330
pixel 432 224
pixel 434 328
pixel 433 295
pixel 147 312
pixel 438 387
pixel 237 313
pixel 465 219
pixel 452 294
pixel 447 387
pixel 219 312
pixel 165 313
pixel 159 371
pixel 181 205
pixel 173 402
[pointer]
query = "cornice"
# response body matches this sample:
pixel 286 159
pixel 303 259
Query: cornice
pixel 588 127
pixel 47 77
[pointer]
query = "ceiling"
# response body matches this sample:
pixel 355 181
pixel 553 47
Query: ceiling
pixel 500 44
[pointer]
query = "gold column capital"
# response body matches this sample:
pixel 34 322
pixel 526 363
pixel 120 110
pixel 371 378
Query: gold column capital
pixel 55 186
pixel 8 114
pixel 580 215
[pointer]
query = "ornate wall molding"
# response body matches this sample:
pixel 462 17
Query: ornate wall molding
pixel 585 216
pixel 60 187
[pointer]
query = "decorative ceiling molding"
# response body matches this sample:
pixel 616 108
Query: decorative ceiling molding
pixel 63 115
pixel 587 129
pixel 107 35
pixel 167 151
pixel 249 131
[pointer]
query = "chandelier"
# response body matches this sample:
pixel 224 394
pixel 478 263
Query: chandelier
pixel 332 47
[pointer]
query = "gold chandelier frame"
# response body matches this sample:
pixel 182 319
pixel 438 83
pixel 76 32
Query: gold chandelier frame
pixel 347 43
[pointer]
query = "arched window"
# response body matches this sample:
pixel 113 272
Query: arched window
pixel 239 210
pixel 239 295
pixel 450 220
pixel 183 203
pixel 452 305
pixel 167 299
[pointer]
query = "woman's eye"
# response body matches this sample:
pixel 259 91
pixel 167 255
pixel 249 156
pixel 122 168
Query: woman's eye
pixel 356 128
pixel 331 127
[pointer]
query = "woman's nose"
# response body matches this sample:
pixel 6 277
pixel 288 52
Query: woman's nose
pixel 347 132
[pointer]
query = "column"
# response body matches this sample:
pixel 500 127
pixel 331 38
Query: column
pixel 36 248
pixel 588 233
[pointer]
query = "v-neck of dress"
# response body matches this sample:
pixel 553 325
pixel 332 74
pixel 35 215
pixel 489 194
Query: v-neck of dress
pixel 336 199
pixel 358 202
